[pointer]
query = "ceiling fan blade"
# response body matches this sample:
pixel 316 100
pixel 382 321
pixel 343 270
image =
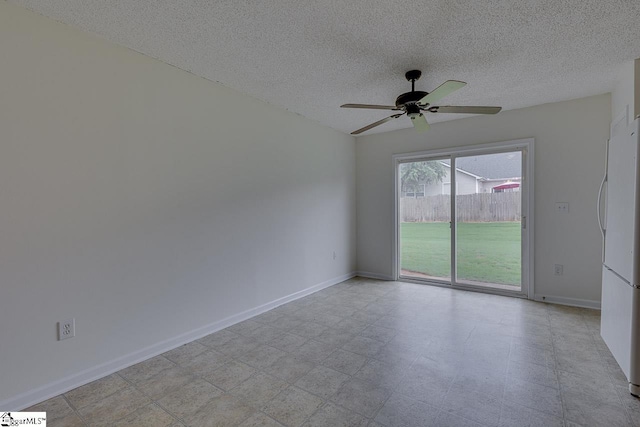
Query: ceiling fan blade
pixel 370 106
pixel 378 123
pixel 420 123
pixel 465 110
pixel 441 91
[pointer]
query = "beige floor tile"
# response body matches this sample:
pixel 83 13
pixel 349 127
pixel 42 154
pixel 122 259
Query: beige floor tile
pixel 403 411
pixel 428 381
pixel 221 411
pixel 292 308
pixel 56 408
pixel 335 337
pixel 292 406
pixel 95 391
pixel 378 333
pixel 287 323
pixel 355 323
pixel 364 346
pixel 289 368
pixel 447 419
pixel 398 355
pixel 264 334
pixel 230 375
pixel 514 414
pixel 114 407
pixel 218 339
pixel 534 396
pixel 244 328
pixel 259 389
pixel 344 361
pixel 237 346
pixel 308 329
pixel 185 352
pixel 362 319
pixel 587 410
pixel 322 381
pixel 260 419
pixel 319 316
pixel 335 416
pixel 315 351
pixel 288 342
pixel 631 403
pixel 147 369
pixel 262 357
pixel 72 420
pixel 165 382
pixel 581 367
pixel 268 317
pixel 362 397
pixel 382 374
pixel 473 404
pixel 539 374
pixel 531 354
pixel 478 359
pixel 596 386
pixel 189 398
pixel 147 416
pixel 481 378
pixel 538 338
pixel 205 363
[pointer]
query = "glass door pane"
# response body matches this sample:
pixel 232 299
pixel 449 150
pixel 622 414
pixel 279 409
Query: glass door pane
pixel 424 220
pixel 488 220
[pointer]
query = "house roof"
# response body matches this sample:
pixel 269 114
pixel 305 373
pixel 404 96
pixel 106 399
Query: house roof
pixel 309 57
pixel 492 166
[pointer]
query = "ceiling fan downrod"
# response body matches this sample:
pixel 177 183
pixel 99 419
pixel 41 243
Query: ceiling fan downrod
pixel 412 76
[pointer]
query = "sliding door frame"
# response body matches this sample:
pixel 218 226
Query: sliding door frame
pixel 527 210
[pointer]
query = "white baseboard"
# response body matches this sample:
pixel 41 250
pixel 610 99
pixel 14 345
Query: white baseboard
pixel 575 302
pixel 370 275
pixel 47 391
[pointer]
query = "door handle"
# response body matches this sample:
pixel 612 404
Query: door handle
pixel 600 192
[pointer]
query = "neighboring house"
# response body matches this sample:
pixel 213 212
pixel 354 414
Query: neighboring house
pixel 493 173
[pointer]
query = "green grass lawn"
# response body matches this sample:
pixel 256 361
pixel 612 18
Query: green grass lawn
pixel 487 251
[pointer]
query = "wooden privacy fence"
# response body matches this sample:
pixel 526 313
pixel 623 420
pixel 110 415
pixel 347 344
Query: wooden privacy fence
pixel 481 207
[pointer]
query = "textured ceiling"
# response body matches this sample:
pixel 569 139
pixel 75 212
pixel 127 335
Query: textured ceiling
pixel 312 56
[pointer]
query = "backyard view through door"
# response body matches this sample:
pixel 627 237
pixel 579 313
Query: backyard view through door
pixel 425 215
pixel 487 233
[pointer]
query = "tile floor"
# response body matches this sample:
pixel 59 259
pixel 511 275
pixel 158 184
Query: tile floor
pixel 371 353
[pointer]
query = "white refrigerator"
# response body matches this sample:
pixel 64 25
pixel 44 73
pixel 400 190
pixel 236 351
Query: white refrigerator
pixel 620 225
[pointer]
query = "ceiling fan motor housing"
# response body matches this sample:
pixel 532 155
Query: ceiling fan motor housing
pixel 410 98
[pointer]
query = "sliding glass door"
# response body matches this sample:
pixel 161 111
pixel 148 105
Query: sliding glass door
pixel 488 220
pixel 461 218
pixel 425 220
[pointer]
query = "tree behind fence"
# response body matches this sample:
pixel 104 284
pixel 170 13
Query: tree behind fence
pixel 481 207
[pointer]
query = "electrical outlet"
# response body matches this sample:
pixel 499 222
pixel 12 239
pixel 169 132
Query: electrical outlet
pixel 66 329
pixel 558 269
pixel 562 207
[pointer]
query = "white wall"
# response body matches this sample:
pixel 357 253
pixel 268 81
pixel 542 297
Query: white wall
pixel 147 203
pixel 569 162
